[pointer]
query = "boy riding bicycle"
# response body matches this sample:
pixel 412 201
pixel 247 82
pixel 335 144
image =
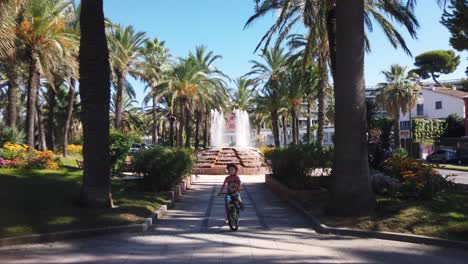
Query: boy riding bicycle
pixel 234 187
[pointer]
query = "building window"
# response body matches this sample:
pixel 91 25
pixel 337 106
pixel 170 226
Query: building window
pixel 404 125
pixel 420 109
pixel 439 105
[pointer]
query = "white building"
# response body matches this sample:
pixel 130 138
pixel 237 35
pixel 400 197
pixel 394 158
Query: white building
pixel 435 103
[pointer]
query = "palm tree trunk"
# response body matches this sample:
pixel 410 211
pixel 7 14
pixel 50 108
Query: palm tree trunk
pixel 284 121
pixel 331 31
pixel 41 127
pixel 118 101
pixel 197 128
pixel 294 125
pixel 180 133
pixel 71 100
pixel 171 131
pixel 188 129
pixel 95 100
pixel 351 192
pixel 50 118
pixel 321 96
pixel 33 82
pixel 205 129
pixel 163 131
pixel 275 127
pixel 396 125
pixel 154 135
pixel 13 90
pixel 308 123
pixel 297 130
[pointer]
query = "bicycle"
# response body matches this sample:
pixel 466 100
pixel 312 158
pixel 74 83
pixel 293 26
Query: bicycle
pixel 234 212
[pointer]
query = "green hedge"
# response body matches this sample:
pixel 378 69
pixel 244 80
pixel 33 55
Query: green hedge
pixel 163 168
pixel 292 165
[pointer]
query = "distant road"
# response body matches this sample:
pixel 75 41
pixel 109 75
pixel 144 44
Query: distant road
pixel 461 176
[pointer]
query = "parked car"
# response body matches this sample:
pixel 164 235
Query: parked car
pixel 444 156
pixel 135 148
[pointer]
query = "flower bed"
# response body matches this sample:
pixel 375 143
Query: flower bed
pixel 19 156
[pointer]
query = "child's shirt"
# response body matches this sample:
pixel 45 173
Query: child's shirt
pixel 233 184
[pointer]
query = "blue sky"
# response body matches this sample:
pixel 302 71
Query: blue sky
pixel 219 25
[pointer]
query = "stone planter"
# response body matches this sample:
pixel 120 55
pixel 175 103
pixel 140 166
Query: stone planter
pixel 318 194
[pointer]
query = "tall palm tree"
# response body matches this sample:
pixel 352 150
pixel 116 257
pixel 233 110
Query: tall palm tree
pixel 42 30
pixel 270 74
pixel 72 72
pixel 124 47
pixel 351 192
pixel 398 94
pixel 319 18
pixel 95 97
pixel 295 90
pixel 213 95
pixel 154 71
pixel 244 94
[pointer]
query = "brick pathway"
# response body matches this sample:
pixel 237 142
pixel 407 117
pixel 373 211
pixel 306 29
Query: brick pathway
pixel 193 232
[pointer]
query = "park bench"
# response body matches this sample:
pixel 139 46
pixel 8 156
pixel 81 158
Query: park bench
pixel 79 163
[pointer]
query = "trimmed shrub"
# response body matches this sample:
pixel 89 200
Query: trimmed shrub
pixel 119 147
pixel 162 168
pixel 295 165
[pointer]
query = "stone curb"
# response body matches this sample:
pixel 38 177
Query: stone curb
pixel 409 238
pixel 84 233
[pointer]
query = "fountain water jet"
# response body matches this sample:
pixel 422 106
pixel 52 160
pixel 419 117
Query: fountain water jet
pixel 242 128
pixel 217 128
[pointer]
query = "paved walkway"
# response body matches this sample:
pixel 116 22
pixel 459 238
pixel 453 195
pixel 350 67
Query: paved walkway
pixel 270 232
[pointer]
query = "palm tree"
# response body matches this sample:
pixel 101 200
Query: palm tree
pixel 8 13
pixel 132 117
pixel 42 30
pixel 213 95
pixel 95 97
pixel 124 47
pixel 270 74
pixel 295 90
pixel 398 94
pixel 153 70
pixel 244 94
pixel 319 19
pixel 351 192
pixel 72 70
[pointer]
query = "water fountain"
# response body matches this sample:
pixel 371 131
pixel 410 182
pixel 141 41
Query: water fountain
pixel 214 160
pixel 242 129
pixel 217 129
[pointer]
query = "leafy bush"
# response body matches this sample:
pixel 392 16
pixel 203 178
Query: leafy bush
pixel 419 180
pixel 119 147
pixel 400 153
pixel 75 148
pixel 12 135
pixel 162 168
pixel 295 164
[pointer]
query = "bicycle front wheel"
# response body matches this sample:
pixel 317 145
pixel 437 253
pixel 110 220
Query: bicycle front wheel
pixel 233 218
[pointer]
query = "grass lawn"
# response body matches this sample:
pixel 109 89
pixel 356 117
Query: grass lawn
pixel 40 201
pixel 70 160
pixel 454 167
pixel 444 217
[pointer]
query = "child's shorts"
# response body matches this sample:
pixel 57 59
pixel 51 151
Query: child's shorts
pixel 232 197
